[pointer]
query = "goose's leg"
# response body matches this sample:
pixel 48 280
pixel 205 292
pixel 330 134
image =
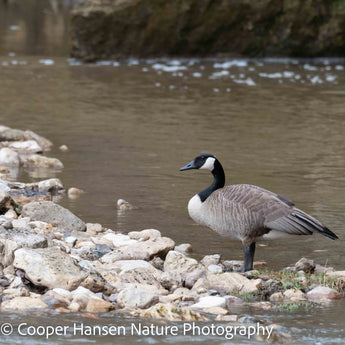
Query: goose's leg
pixel 248 258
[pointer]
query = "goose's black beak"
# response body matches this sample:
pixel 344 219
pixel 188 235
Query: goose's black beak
pixel 189 166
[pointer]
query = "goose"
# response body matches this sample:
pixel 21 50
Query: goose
pixel 247 213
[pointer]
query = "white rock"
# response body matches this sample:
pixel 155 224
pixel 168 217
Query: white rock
pixel 119 240
pixel 146 234
pixel 210 302
pixel 128 265
pixel 9 157
pixel 49 267
pixel 28 146
pixel 136 298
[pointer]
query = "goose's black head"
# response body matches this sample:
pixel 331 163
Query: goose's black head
pixel 202 161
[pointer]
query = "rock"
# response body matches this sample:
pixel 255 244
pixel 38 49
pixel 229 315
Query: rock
pixel 49 212
pixel 118 240
pixel 323 269
pixel 147 234
pixel 124 205
pixel 210 260
pixel 170 312
pixel 10 215
pixel 21 223
pixel 84 299
pixel 182 267
pixel 233 300
pixel 88 253
pixel 9 157
pixel 38 161
pixel 64 148
pixel 233 282
pixel 295 295
pixel 12 239
pixel 49 267
pixel 141 250
pixel 50 185
pixel 98 306
pixel 94 282
pixel 227 318
pixel 179 295
pixel 340 275
pixel 4 170
pixel 70 240
pixel 184 248
pixel 305 265
pixel 23 304
pixel 232 265
pixel 7 203
pixel 129 265
pixel 44 143
pixel 215 269
pixel 74 192
pixel 10 134
pixel 28 146
pixel 94 228
pixel 149 276
pixel 277 297
pixel 322 293
pixel 210 302
pixel 136 298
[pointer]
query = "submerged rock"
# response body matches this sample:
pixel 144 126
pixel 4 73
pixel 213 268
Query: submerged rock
pixel 49 267
pixel 49 212
pixel 38 161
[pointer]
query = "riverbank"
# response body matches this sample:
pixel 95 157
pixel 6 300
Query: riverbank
pixel 52 262
pixel 112 29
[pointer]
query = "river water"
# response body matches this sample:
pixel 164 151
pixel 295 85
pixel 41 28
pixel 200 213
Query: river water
pixel 130 125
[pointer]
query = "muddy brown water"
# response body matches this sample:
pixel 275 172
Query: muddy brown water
pixel 130 125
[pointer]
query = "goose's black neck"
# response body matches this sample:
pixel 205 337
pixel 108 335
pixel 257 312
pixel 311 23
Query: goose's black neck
pixel 218 181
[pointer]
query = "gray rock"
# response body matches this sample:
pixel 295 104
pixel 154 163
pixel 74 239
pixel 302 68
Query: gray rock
pixel 305 265
pixel 44 143
pixel 49 267
pixel 10 134
pixel 9 157
pixel 136 298
pixel 49 212
pixel 12 239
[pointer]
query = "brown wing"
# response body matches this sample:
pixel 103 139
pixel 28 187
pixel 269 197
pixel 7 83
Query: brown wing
pixel 273 211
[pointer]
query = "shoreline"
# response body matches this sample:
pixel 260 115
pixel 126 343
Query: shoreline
pixel 52 262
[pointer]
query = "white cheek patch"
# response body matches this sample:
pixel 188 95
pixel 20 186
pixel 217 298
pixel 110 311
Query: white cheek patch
pixel 209 164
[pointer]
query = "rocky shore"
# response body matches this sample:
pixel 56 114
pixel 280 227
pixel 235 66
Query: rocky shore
pixel 52 262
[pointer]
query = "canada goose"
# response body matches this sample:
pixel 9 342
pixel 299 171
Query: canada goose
pixel 245 212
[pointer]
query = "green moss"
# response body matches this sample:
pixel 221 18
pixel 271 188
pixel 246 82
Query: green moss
pixel 294 307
